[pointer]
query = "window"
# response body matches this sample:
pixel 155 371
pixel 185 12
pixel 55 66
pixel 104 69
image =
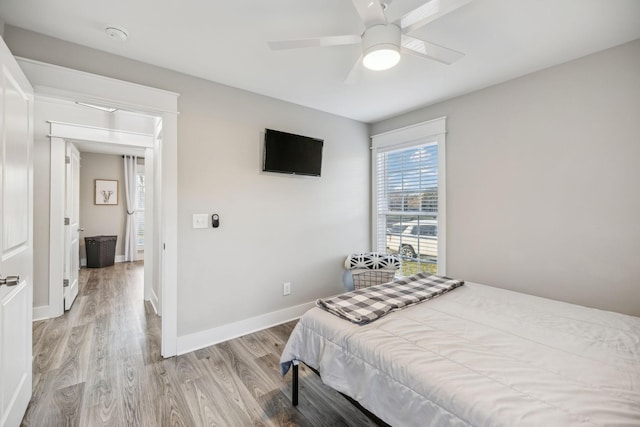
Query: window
pixel 408 181
pixel 140 206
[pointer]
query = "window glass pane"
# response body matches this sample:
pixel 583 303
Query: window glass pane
pixel 407 206
pixel 140 190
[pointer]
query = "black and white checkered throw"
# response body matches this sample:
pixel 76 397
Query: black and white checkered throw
pixel 366 305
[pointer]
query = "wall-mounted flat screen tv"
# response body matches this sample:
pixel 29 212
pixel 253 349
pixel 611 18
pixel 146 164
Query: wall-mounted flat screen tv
pixel 294 154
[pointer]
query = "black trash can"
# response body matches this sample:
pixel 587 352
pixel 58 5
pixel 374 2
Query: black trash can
pixel 101 250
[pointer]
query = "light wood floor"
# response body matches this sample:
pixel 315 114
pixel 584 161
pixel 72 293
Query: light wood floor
pixel 99 365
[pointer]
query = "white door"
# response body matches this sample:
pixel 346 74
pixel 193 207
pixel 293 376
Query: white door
pixel 16 238
pixel 72 228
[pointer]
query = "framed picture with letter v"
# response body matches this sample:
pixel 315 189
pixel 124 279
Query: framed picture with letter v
pixel 106 192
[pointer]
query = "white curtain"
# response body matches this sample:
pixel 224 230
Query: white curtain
pixel 131 232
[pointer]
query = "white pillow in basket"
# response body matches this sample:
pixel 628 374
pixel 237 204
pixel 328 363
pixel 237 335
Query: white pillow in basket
pixel 372 261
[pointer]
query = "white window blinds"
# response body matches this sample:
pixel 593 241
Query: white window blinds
pixel 409 195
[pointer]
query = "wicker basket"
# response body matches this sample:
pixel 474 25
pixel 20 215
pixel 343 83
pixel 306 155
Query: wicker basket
pixel 365 278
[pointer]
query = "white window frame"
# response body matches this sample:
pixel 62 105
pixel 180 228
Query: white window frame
pixel 432 131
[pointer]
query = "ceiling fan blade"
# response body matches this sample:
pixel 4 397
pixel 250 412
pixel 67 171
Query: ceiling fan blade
pixel 315 42
pixel 429 12
pixel 370 12
pixel 355 73
pixel 428 50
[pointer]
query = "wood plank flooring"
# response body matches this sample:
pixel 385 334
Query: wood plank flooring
pixel 99 365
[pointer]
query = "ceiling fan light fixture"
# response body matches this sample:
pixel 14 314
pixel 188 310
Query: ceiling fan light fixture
pixel 382 57
pixel 381 46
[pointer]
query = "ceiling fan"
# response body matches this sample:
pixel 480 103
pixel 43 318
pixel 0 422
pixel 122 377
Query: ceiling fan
pixel 385 35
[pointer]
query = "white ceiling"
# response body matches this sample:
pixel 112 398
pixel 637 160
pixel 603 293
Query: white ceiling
pixel 225 42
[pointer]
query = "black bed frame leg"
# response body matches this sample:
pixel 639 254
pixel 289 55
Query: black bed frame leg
pixel 294 387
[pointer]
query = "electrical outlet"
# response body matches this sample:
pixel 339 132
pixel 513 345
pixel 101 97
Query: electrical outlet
pixel 286 288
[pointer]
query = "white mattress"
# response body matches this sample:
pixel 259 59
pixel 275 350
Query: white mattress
pixel 481 356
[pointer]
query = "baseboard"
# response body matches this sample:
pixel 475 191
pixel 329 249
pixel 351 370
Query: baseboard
pixel 198 340
pixel 154 302
pixel 45 312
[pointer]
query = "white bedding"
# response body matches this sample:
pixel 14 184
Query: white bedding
pixel 481 356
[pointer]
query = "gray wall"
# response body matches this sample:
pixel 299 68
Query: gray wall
pixel 275 228
pixel 100 220
pixel 543 181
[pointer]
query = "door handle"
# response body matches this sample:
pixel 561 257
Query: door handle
pixel 9 280
pixel 80 230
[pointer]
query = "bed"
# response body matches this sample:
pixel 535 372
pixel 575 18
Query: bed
pixel 480 356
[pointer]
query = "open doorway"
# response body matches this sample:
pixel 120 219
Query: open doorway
pixel 110 291
pixel 102 164
pixel 64 111
pixel 111 231
pixel 125 207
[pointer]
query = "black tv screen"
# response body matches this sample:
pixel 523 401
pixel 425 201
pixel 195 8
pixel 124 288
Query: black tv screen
pixel 295 154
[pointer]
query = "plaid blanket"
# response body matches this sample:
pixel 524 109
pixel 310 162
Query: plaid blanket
pixel 366 305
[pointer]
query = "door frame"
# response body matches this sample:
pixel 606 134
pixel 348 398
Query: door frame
pixel 65 84
pixel 60 135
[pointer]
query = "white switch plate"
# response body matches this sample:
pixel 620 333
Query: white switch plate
pixel 200 220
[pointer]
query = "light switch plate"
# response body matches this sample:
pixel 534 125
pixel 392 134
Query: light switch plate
pixel 200 220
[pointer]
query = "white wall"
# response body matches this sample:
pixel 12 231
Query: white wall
pixel 97 220
pixel 543 181
pixel 274 228
pixel 41 173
